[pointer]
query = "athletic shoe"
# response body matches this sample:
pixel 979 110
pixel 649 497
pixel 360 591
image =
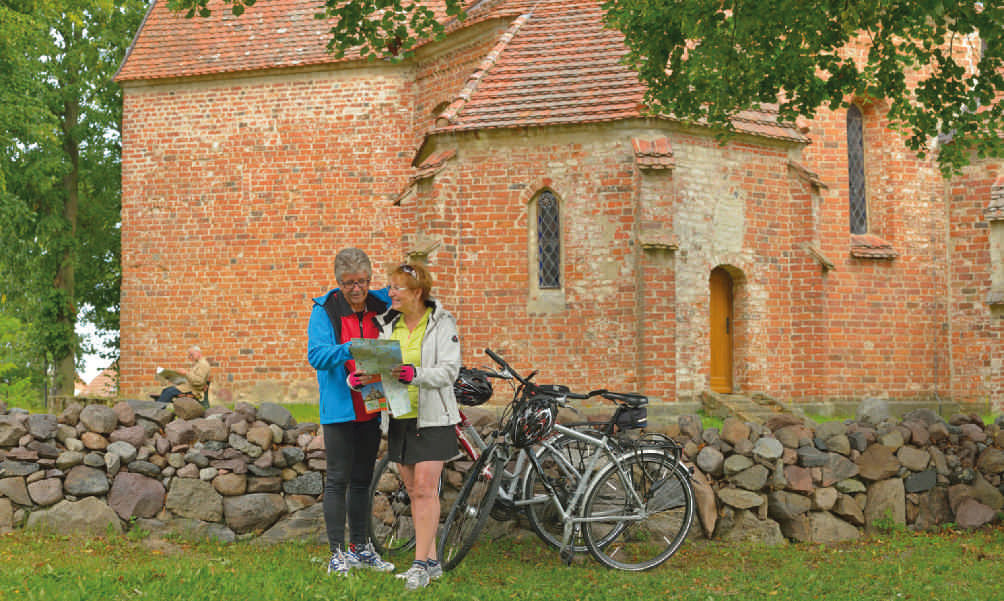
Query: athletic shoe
pixel 435 572
pixel 416 577
pixel 365 556
pixel 339 563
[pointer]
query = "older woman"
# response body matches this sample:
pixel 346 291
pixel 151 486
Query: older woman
pixel 423 439
pixel 351 434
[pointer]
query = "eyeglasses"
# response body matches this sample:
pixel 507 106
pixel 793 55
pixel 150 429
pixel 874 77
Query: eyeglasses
pixel 400 288
pixel 356 283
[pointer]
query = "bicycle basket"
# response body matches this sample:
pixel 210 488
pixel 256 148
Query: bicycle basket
pixel 472 387
pixel 532 420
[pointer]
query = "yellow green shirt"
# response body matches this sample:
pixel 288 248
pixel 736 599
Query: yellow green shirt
pixel 411 352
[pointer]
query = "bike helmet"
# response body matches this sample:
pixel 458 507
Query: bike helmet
pixel 472 387
pixel 533 420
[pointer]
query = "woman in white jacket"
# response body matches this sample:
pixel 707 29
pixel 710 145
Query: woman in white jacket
pixel 423 439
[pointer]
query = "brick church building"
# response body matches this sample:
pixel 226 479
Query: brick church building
pixel 567 227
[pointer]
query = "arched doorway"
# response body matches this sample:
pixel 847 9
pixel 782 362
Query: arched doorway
pixel 722 330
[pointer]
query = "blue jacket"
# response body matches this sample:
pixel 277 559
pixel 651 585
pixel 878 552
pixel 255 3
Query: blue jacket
pixel 328 357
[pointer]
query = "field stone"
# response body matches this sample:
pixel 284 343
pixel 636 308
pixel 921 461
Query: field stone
pixel 991 461
pixel 310 483
pixel 740 499
pixel 230 485
pixel 192 498
pixel 187 408
pixel 247 513
pixel 11 468
pixel 11 431
pixel 877 463
pixel 210 429
pixel 136 496
pixel 94 459
pixel 886 498
pixel 768 449
pixel 6 513
pixel 42 426
pixel 15 490
pixel 46 492
pixel 273 413
pixel 134 435
pixel 88 516
pixel 260 436
pixel 972 514
pixel 125 413
pixel 913 459
pixel 94 441
pixel 124 450
pixel 71 414
pixel 82 481
pixel 710 460
pixel 99 418
pixel 826 528
pixel 303 526
pixel 68 459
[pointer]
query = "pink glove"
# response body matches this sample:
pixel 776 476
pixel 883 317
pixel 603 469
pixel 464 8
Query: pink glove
pixel 405 373
pixel 355 381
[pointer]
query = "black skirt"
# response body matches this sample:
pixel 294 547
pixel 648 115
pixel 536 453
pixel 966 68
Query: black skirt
pixel 408 444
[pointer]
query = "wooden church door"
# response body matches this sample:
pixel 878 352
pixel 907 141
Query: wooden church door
pixel 721 330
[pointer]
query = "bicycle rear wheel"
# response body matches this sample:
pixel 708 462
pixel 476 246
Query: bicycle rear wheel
pixel 391 527
pixel 627 535
pixel 472 507
pixel 563 462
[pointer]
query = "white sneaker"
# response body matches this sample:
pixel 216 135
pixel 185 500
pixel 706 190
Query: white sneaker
pixel 435 572
pixel 416 577
pixel 365 556
pixel 339 563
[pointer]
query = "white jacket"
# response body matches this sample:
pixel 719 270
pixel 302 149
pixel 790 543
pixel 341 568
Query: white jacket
pixel 437 405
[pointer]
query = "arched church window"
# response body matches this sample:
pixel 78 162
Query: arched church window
pixel 548 241
pixel 856 171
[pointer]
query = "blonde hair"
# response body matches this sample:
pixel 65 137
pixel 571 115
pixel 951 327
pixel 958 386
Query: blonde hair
pixel 417 275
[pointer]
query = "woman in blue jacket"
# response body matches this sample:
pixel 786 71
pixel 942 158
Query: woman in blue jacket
pixel 351 434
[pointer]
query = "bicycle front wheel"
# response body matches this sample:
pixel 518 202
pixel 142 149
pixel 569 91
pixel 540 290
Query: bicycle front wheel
pixel 472 507
pixel 392 529
pixel 637 516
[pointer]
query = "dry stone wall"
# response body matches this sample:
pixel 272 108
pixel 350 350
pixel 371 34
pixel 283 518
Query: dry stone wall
pixel 253 471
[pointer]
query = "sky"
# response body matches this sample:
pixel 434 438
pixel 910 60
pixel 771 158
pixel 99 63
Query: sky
pixel 93 364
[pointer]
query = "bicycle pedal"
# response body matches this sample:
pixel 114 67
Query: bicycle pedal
pixel 567 556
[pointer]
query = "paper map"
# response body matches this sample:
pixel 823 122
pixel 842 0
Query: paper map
pixel 380 357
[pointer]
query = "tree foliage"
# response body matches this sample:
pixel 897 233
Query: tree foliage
pixel 60 182
pixel 707 60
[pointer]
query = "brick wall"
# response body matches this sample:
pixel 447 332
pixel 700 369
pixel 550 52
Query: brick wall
pixel 976 328
pixel 884 320
pixel 236 196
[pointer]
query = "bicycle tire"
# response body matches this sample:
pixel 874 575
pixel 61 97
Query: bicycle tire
pixel 472 507
pixel 668 512
pixel 391 527
pixel 564 473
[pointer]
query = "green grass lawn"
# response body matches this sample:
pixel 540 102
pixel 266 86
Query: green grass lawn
pixel 897 566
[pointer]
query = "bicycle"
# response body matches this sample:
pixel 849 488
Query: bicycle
pixel 391 527
pixel 631 500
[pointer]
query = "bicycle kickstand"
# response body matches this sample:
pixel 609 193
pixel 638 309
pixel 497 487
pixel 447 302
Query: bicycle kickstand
pixel 567 552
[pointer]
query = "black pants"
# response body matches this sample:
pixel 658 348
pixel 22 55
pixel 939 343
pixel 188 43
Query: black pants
pixel 351 454
pixel 167 395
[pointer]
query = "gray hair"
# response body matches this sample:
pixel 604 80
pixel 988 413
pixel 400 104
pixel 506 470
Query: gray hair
pixel 352 260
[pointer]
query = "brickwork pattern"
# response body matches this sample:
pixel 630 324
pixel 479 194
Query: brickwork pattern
pixel 236 197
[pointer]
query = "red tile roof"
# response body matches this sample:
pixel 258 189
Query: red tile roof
pixel 869 246
pixel 556 64
pixel 653 154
